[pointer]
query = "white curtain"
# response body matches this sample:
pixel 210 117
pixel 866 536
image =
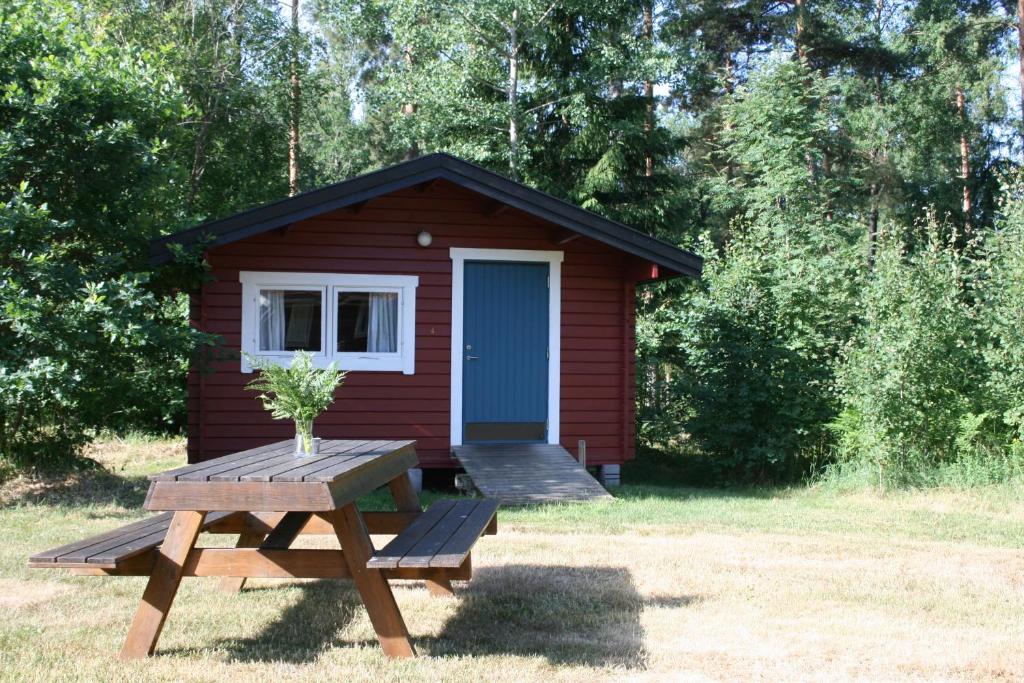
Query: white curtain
pixel 383 331
pixel 272 320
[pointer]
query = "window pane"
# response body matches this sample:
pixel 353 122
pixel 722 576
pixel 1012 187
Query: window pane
pixel 368 322
pixel 289 320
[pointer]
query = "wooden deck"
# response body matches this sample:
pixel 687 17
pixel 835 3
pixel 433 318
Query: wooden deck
pixel 525 474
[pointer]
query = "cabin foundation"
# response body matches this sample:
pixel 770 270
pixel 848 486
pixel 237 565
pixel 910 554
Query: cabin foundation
pixel 609 475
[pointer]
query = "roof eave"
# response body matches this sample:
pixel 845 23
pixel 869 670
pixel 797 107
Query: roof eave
pixel 415 172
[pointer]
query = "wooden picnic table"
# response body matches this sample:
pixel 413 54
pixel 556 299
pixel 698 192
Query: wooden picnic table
pixel 268 497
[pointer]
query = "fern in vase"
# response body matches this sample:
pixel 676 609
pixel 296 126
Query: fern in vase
pixel 300 392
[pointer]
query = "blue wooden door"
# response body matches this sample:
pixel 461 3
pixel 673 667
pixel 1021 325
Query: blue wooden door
pixel 505 352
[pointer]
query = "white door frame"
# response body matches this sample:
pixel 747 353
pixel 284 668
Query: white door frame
pixel 459 257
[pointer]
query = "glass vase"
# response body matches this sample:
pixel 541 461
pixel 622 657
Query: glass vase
pixel 305 444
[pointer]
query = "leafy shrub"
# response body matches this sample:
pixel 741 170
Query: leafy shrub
pixel 1001 296
pixel 78 354
pixel 913 378
pixel 759 341
pixel 88 340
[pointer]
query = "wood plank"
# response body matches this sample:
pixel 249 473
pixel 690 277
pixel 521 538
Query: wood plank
pixel 458 546
pixel 238 563
pixel 393 450
pixel 372 585
pixel 163 585
pixel 248 538
pixel 389 523
pixel 286 531
pixel 335 451
pixel 374 474
pixel 404 494
pixel 87 550
pixel 79 550
pixel 240 496
pixel 421 554
pixel 406 499
pixel 237 473
pixel 366 453
pixel 390 555
pixel 529 473
pixel 269 563
pixel 231 462
pixel 303 470
pixel 172 475
pixel 135 545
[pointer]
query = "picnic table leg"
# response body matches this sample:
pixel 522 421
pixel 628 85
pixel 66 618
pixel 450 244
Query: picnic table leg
pixel 163 584
pixel 249 538
pixel 372 586
pixel 406 500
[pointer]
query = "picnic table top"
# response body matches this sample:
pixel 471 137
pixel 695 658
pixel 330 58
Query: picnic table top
pixel 271 477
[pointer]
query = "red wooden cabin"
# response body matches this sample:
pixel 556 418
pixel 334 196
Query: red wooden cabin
pixel 390 274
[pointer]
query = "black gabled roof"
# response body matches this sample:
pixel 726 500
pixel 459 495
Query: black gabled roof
pixel 424 169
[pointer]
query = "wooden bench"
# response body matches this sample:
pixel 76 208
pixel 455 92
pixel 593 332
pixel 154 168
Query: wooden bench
pixel 113 549
pixel 440 538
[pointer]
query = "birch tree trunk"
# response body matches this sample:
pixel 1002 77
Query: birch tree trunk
pixel 965 156
pixel 648 35
pixel 1020 56
pixel 295 108
pixel 513 94
pixel 410 107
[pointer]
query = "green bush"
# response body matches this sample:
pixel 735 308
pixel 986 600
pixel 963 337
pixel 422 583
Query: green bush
pixel 759 341
pixel 88 339
pixel 913 378
pixel 1001 296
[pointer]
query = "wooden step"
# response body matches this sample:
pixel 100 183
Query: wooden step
pixel 441 537
pixel 528 474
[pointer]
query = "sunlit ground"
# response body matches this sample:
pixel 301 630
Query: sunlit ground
pixel 662 584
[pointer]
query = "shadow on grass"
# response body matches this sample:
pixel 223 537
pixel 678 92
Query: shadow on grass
pixel 569 615
pixel 582 616
pixel 98 487
pixel 303 630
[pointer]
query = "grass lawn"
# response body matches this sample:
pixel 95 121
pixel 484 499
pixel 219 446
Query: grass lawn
pixel 662 584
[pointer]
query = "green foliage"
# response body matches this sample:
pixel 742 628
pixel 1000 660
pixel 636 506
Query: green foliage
pixel 1001 293
pixel 758 343
pixel 790 134
pixel 914 375
pixel 932 383
pixel 299 392
pixel 228 61
pixel 88 340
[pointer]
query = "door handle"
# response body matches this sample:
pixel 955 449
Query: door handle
pixel 472 357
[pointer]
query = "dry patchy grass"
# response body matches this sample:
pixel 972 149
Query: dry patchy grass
pixel 663 584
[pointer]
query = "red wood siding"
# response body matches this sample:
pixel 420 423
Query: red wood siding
pixel 598 373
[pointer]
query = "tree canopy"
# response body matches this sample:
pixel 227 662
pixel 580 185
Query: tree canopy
pixel 849 168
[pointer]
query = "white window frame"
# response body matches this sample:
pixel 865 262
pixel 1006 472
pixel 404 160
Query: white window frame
pixel 329 284
pixel 553 259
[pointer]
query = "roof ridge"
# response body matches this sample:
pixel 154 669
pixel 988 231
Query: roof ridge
pixel 436 165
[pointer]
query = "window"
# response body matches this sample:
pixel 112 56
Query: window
pixel 290 320
pixel 367 321
pixel 363 322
